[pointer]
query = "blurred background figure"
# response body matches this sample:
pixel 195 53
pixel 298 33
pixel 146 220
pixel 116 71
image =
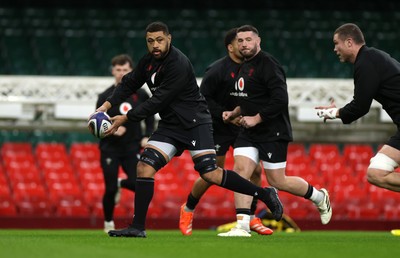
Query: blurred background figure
pixel 121 149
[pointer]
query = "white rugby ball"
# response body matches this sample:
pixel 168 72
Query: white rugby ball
pixel 98 123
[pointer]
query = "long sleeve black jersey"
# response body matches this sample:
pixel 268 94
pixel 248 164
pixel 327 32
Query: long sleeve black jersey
pixel 176 95
pixel 216 85
pixel 376 76
pixel 261 88
pixel 130 140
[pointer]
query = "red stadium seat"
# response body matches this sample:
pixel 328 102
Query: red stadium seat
pixel 16 147
pixel 25 176
pixel 127 198
pixel 93 193
pixel 7 208
pixel 357 154
pixel 20 160
pixel 296 149
pixel 323 151
pixel 65 192
pixel 3 179
pixel 40 208
pixel 155 211
pixel 50 148
pixel 5 192
pixel 368 211
pixel 214 195
pixel 84 151
pixel 298 209
pixel 391 212
pixel 30 192
pixel 72 209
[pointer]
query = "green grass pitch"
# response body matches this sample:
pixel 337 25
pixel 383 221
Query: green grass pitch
pixel 203 243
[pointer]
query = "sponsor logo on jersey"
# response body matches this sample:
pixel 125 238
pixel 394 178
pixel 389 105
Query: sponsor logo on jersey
pixel 239 87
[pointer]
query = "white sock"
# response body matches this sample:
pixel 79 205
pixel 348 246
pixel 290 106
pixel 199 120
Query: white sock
pixel 109 223
pixel 252 217
pixel 243 221
pixel 317 196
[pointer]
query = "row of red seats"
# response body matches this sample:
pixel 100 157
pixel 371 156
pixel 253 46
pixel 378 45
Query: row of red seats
pixel 48 180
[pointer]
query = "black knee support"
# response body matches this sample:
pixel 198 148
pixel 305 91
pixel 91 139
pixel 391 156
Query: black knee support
pixel 205 163
pixel 153 158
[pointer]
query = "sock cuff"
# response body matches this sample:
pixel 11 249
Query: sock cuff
pixel 224 175
pixel 145 179
pixel 242 211
pixel 309 192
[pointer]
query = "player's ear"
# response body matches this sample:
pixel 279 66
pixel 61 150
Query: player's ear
pixel 349 42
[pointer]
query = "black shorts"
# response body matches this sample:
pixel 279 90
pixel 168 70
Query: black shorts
pixel 222 143
pixel 268 152
pixel 196 138
pixel 394 141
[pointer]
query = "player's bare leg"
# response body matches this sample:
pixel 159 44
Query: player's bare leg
pixel 386 178
pixel 299 187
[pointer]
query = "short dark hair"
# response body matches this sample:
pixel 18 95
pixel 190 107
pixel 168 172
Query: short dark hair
pixel 350 30
pixel 230 36
pixel 247 28
pixel 121 60
pixel 157 26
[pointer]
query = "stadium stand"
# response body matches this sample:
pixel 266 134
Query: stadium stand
pixel 79 41
pixel 50 179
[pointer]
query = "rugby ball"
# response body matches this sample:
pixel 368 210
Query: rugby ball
pixel 98 123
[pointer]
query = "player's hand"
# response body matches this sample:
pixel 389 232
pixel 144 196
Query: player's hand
pixel 117 121
pixel 230 116
pixel 236 121
pixel 250 121
pixel 227 116
pixel 328 112
pixel 103 108
pixel 120 131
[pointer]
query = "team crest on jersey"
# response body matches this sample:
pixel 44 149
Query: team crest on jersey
pixel 251 71
pixel 153 77
pixel 124 108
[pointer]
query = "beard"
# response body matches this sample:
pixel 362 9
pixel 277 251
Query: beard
pixel 161 54
pixel 248 53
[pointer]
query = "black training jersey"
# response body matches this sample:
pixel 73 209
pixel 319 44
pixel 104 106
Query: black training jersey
pixel 176 95
pixel 261 88
pixel 376 76
pixel 217 83
pixel 130 140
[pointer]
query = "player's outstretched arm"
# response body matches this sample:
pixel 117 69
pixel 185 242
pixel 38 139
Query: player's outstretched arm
pixel 103 108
